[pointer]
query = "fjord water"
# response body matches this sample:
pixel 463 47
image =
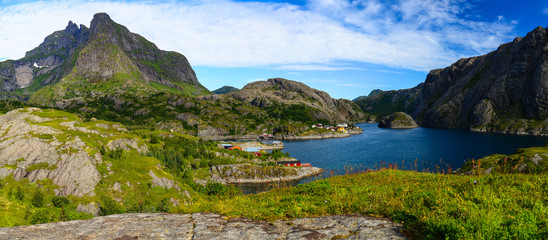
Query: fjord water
pixel 418 149
pixel 428 147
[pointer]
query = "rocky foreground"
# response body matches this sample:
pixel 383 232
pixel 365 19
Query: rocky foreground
pixel 208 226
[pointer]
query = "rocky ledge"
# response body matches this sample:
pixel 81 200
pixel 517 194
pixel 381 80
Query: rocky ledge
pixel 208 226
pixel 248 173
pixel 398 120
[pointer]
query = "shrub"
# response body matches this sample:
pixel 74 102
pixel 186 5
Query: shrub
pixel 109 206
pixel 38 198
pixel 59 201
pixel 41 216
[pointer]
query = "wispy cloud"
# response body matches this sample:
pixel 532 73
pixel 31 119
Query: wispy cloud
pixel 306 67
pixel 411 34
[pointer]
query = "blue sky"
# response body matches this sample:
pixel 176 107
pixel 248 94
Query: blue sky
pixel 346 48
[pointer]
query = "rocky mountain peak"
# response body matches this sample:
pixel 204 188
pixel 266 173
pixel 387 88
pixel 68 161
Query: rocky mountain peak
pixel 102 23
pixel 71 28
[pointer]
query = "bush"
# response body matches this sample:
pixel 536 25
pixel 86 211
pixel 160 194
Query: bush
pixel 41 216
pixel 218 189
pixel 59 201
pixel 109 206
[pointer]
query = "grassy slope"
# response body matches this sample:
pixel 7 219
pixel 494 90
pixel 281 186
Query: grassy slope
pixel 432 206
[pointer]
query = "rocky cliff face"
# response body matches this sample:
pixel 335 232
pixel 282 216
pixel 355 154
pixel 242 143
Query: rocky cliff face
pixel 45 144
pixel 106 57
pixel 279 93
pixel 504 91
pixel 45 64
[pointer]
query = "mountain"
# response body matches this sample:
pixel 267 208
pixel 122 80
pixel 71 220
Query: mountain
pixel 371 94
pixel 503 91
pixel 107 72
pixel 225 90
pixel 307 104
pixel 86 62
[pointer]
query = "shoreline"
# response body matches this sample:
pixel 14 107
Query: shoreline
pixel 284 137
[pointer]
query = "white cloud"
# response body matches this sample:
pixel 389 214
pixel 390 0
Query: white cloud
pixel 314 68
pixel 411 34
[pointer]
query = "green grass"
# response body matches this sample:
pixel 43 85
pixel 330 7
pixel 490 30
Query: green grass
pixel 430 206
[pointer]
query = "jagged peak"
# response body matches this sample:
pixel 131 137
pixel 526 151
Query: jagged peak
pixel 71 28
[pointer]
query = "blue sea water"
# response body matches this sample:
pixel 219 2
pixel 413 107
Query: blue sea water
pixel 419 149
pixel 428 147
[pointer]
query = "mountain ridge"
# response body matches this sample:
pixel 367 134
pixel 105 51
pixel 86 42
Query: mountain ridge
pixel 503 91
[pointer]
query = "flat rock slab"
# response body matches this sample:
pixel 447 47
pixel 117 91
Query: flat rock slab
pixel 208 226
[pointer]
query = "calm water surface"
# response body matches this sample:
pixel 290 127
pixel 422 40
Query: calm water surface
pixel 432 149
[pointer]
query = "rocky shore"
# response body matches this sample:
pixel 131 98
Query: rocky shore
pixel 208 226
pixel 248 173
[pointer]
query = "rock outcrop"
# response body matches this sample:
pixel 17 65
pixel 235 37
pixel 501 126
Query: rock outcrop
pixel 398 120
pixel 248 173
pixel 208 226
pixel 503 91
pixel 31 150
pixel 37 144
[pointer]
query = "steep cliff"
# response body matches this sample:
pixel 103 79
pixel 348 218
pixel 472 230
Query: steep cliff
pixel 503 91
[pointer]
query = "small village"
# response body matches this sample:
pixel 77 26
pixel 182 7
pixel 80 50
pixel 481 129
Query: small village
pixel 259 148
pixel 341 127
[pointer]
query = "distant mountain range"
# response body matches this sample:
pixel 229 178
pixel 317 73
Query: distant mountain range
pixel 503 91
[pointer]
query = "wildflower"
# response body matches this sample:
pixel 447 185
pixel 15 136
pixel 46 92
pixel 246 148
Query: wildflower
pixel 474 182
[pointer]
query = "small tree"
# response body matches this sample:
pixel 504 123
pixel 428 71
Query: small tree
pixel 38 198
pixel 63 216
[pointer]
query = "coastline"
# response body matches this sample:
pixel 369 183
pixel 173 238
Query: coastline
pixel 247 173
pixel 285 137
